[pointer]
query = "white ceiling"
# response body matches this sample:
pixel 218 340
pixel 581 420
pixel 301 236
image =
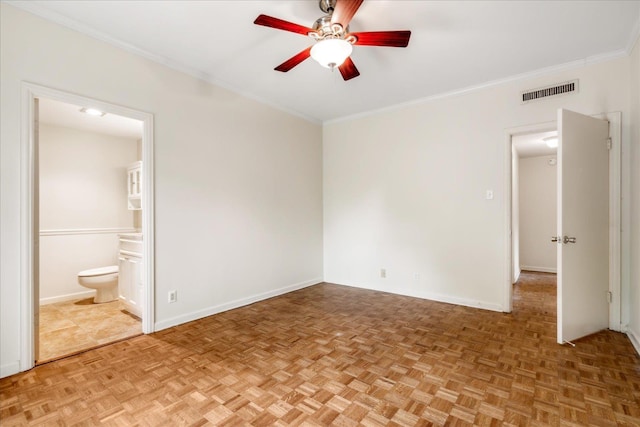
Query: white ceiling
pixel 532 145
pixel 68 115
pixel 454 45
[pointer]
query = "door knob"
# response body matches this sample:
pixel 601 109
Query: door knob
pixel 567 239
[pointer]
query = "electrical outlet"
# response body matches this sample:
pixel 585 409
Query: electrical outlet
pixel 173 296
pixel 383 273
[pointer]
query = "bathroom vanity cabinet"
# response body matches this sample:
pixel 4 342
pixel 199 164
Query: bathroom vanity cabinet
pixel 130 282
pixel 134 186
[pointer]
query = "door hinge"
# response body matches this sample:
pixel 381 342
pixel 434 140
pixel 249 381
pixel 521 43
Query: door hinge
pixel 609 144
pixel 609 297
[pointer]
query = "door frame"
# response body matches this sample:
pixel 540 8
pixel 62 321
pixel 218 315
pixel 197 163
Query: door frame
pixel 615 176
pixel 28 228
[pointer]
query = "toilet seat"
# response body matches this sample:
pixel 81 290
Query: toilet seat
pixel 101 271
pixel 104 280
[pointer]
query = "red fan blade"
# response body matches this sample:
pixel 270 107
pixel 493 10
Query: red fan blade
pixel 348 69
pixel 294 60
pixel 344 11
pixel 383 38
pixel 279 24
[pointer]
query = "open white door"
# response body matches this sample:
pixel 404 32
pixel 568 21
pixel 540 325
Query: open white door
pixel 583 225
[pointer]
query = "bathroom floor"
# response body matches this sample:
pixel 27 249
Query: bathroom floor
pixel 72 326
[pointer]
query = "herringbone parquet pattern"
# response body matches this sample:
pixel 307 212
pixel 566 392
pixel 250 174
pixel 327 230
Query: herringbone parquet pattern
pixel 334 355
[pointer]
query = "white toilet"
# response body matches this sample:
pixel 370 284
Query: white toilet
pixel 104 280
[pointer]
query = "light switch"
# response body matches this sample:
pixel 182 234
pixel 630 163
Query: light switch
pixel 489 195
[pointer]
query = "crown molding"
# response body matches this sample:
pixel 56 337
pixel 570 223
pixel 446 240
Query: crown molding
pixel 74 25
pixel 610 56
pixel 52 16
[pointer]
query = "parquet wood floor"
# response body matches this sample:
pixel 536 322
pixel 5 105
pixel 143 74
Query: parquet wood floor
pixel 334 355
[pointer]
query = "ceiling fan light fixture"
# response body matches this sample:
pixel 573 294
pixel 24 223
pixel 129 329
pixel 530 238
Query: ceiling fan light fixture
pixel 331 53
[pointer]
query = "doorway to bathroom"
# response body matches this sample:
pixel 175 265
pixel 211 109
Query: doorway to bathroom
pixel 89 229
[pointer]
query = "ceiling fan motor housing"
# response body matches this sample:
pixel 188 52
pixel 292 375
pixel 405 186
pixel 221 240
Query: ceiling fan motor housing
pixel 327 6
pixel 324 29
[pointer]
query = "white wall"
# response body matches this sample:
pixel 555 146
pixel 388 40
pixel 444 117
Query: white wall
pixel 83 179
pixel 238 184
pixel 62 256
pixel 83 195
pixel 405 188
pixel 538 213
pixel 634 321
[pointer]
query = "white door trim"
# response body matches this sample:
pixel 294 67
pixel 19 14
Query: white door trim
pixel 615 177
pixel 615 218
pixel 31 91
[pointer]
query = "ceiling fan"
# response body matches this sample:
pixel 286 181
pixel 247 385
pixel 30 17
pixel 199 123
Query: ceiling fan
pixel 334 42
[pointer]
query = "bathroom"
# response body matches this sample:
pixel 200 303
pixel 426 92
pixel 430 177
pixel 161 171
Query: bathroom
pixel 89 220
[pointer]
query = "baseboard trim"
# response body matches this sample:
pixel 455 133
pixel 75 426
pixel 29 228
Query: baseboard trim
pixel 189 317
pixel 635 339
pixel 68 297
pixel 538 269
pixel 448 299
pixel 9 369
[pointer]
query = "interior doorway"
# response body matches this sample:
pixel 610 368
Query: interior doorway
pixel 511 213
pixel 84 212
pixel 534 200
pixel 33 95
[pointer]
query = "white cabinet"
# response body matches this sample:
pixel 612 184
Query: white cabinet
pixel 134 186
pixel 130 279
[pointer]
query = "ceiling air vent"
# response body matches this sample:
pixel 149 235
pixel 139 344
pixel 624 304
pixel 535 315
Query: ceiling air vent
pixel 544 92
